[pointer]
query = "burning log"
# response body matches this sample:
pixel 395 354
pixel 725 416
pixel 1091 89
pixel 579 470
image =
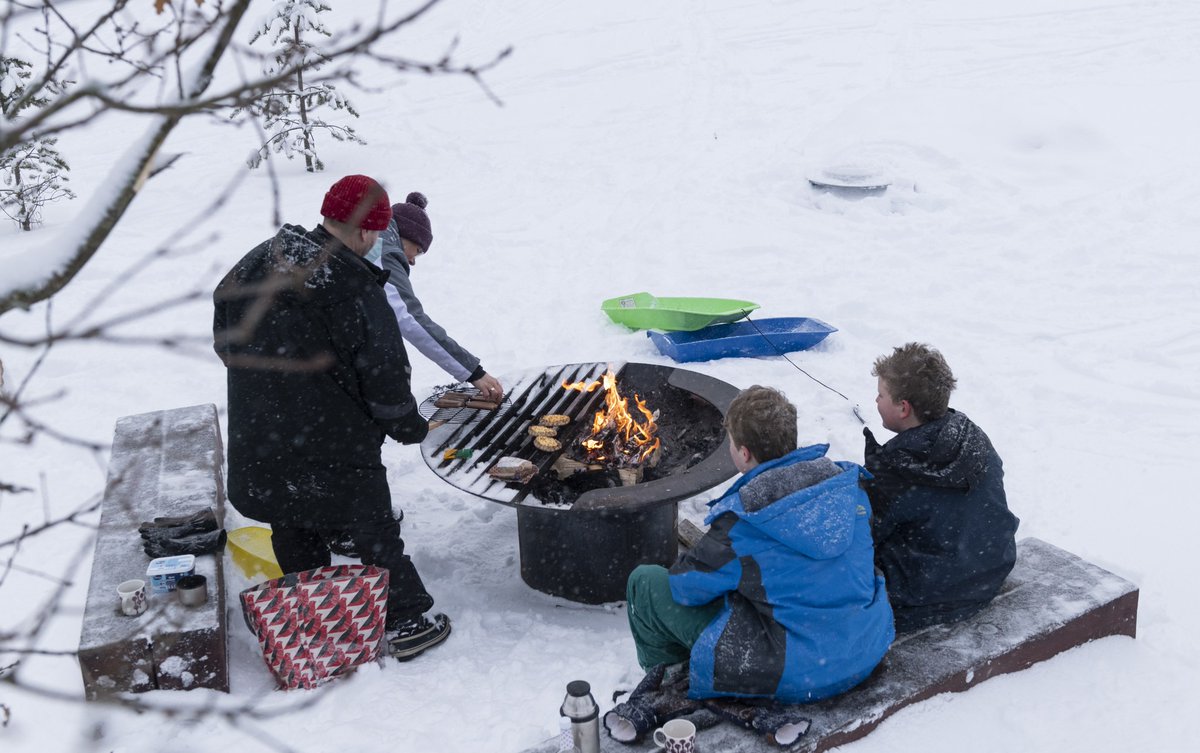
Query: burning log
pixel 633 475
pixel 630 476
pixel 564 467
pixel 618 438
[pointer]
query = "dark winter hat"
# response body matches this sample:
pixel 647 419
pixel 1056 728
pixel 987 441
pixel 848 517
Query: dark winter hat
pixel 411 220
pixel 358 201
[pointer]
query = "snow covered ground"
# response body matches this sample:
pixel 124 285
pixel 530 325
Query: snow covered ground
pixel 1041 231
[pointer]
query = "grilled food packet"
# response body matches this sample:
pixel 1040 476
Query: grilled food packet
pixel 512 469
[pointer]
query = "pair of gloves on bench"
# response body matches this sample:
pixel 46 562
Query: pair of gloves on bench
pixel 191 534
pixel 662 696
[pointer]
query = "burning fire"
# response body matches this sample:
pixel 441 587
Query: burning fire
pixel 617 436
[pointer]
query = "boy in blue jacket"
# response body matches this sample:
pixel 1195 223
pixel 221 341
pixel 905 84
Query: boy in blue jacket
pixel 779 600
pixel 944 536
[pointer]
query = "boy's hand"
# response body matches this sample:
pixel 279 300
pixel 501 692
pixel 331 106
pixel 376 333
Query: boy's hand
pixel 872 447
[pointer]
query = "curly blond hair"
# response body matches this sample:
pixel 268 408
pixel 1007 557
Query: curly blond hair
pixel 919 374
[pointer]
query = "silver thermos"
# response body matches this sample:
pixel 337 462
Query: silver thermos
pixel 581 709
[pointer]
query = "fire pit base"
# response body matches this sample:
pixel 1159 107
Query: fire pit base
pixel 587 555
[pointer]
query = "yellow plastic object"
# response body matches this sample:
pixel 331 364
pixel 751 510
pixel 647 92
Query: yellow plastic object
pixel 251 550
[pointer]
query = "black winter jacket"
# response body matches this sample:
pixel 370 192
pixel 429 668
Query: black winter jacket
pixel 317 376
pixel 944 537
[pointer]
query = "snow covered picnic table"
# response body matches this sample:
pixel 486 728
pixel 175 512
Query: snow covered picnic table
pixel 1052 601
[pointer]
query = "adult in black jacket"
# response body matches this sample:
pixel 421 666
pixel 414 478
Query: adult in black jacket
pixel 944 536
pixel 317 377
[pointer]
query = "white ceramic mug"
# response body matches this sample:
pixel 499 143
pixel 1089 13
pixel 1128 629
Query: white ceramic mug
pixel 133 597
pixel 676 736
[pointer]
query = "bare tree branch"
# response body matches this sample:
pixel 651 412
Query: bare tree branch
pixel 142 157
pixel 356 44
pixel 158 72
pixel 11 401
pixel 86 508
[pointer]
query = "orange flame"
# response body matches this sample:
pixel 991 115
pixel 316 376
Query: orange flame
pixel 615 431
pixel 581 386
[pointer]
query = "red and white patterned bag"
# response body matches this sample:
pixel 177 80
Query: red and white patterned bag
pixel 315 625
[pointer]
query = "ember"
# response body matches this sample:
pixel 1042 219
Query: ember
pixel 618 438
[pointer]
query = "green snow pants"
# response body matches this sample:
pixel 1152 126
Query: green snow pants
pixel 663 631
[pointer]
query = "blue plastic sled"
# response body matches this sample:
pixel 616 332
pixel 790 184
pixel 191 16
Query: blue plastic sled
pixel 763 337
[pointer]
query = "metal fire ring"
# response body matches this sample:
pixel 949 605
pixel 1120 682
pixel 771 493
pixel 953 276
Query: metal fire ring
pixel 532 394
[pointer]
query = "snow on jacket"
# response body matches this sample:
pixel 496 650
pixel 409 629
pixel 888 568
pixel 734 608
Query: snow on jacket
pixel 317 376
pixel 789 550
pixel 423 333
pixel 944 536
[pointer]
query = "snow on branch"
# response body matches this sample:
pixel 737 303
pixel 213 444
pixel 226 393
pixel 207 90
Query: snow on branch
pixel 161 63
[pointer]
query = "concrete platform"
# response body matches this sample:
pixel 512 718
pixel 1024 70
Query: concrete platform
pixel 165 463
pixel 1051 602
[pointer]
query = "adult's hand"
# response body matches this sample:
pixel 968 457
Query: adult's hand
pixel 489 388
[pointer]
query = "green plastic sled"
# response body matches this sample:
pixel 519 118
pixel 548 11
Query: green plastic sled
pixel 644 311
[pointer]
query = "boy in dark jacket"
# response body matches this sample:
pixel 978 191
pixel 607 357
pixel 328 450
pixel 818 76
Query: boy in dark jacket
pixel 779 599
pixel 944 536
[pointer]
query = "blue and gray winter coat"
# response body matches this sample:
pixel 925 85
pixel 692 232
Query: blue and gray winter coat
pixel 944 536
pixel 789 549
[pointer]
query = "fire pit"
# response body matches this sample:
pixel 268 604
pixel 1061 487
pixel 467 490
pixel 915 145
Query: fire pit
pixel 586 519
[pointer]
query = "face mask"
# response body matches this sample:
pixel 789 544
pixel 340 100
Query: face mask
pixel 375 252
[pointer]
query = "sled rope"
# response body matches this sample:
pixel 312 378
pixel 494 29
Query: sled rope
pixel 854 406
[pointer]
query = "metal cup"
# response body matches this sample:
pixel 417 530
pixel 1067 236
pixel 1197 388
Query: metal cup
pixel 192 590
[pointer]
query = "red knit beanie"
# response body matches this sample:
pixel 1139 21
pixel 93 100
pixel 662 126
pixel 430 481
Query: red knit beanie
pixel 358 201
pixel 411 220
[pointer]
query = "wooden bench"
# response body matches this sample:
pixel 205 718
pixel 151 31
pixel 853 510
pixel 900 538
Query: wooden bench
pixel 165 463
pixel 1052 601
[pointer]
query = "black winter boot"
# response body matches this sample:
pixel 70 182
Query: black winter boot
pixel 411 637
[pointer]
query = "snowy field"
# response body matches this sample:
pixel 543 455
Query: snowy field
pixel 1041 230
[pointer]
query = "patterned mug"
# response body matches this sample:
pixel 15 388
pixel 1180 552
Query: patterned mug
pixel 676 736
pixel 133 597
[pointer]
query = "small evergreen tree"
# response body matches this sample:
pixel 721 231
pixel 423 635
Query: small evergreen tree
pixel 290 114
pixel 34 172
